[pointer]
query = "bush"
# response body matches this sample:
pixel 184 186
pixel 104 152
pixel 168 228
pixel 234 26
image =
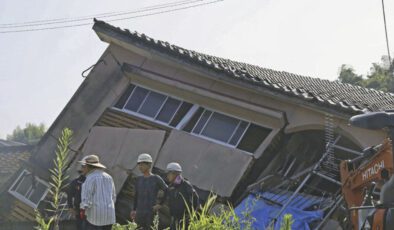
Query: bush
pixel 203 219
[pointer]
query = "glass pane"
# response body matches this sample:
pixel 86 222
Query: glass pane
pixel 202 122
pixel 220 127
pixel 122 100
pixel 253 137
pixel 185 107
pixel 136 99
pixel 23 174
pixel 24 185
pixel 38 192
pixel 188 128
pixel 168 110
pixel 152 104
pixel 241 129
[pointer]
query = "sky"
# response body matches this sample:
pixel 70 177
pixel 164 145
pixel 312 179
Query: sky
pixel 40 71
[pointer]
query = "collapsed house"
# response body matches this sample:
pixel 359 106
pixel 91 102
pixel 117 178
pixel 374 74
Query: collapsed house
pixel 237 129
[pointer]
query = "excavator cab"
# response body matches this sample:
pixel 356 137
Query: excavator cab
pixel 383 215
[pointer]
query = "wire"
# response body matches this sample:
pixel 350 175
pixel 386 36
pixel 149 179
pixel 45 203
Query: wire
pixel 385 30
pixel 111 20
pixel 90 17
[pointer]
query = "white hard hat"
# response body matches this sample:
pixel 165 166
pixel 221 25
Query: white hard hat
pixel 144 157
pixel 174 167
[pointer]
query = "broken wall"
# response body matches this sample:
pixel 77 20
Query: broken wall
pixel 209 166
pixel 118 149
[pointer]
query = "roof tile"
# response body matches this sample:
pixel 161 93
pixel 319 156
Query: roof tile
pixel 345 97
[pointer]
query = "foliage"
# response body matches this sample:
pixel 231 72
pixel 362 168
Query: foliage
pixel 380 76
pixel 203 219
pixel 248 219
pixel 42 224
pixel 57 183
pixel 155 222
pixel 128 226
pixel 31 134
pixel 347 75
pixel 287 222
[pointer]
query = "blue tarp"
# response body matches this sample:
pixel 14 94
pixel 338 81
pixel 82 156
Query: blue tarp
pixel 264 212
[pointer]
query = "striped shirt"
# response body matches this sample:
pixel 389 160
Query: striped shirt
pixel 98 198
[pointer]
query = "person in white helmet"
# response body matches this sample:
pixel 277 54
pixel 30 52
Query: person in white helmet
pixel 181 196
pixel 146 199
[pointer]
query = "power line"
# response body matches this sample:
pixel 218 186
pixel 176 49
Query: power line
pixel 385 30
pixel 111 20
pixel 90 17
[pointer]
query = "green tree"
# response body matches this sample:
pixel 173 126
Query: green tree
pixel 31 134
pixel 380 76
pixel 347 75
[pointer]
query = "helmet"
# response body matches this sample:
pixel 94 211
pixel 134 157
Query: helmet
pixel 174 167
pixel 144 157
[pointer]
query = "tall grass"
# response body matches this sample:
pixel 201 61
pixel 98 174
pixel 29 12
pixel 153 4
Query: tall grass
pixel 204 219
pixel 287 222
pixel 57 183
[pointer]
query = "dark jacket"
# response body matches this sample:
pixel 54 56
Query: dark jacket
pixel 146 193
pixel 180 195
pixel 74 192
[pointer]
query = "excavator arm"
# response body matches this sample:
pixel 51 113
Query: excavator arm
pixel 356 179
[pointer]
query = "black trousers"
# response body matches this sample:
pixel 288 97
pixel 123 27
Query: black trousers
pixel 144 221
pixel 90 226
pixel 80 224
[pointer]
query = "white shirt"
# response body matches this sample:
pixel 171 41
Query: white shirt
pixel 98 198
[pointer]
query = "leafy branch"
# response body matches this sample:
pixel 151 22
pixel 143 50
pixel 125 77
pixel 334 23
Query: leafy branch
pixel 57 182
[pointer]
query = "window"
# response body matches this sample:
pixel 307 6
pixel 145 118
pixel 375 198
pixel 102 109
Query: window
pixel 202 122
pixel 253 137
pixel 153 105
pixel 217 126
pixel 226 129
pixel 29 189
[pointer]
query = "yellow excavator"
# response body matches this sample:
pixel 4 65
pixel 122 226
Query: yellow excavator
pixel 368 181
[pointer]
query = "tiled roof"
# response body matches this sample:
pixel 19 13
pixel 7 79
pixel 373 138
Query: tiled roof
pixel 4 143
pixel 11 156
pixel 328 94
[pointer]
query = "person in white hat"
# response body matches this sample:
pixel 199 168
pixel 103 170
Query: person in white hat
pixel 98 195
pixel 181 196
pixel 146 199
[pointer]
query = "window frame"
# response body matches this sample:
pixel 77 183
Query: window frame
pixel 23 198
pixel 240 120
pixel 140 115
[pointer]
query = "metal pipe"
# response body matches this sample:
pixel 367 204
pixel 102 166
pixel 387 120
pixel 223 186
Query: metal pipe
pixel 290 167
pixel 327 178
pixel 290 200
pixel 329 147
pixel 347 150
pixel 329 213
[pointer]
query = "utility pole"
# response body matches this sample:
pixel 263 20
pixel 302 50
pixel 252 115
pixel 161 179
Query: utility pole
pixel 385 30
